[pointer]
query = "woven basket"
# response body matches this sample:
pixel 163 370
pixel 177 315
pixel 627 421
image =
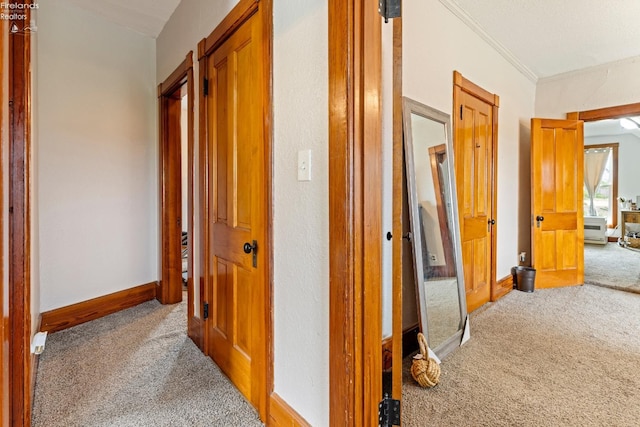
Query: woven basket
pixel 424 369
pixel 634 242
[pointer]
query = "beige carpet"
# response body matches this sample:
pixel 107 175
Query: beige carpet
pixel 134 368
pixel 559 357
pixel 612 266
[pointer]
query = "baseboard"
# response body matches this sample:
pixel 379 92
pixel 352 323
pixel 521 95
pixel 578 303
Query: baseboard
pixel 503 287
pixel 283 415
pixel 611 239
pixel 409 345
pixel 75 314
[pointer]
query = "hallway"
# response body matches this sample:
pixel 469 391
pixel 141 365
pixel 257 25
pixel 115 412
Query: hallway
pixel 136 367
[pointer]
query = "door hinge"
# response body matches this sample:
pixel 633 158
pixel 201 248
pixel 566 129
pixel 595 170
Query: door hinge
pixel 205 310
pixel 205 86
pixel 460 111
pixel 389 412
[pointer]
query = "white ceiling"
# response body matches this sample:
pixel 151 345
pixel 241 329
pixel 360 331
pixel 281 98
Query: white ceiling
pixel 542 37
pixel 144 16
pixel 609 128
pixel 550 37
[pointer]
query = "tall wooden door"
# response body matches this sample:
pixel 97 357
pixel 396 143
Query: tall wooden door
pixel 557 233
pixel 237 210
pixel 474 127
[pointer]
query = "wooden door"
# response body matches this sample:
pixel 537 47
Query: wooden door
pixel 557 233
pixel 473 151
pixel 237 210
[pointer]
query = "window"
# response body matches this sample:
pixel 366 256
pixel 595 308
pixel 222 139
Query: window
pixel 601 172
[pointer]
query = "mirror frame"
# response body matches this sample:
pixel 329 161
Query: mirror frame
pixel 409 107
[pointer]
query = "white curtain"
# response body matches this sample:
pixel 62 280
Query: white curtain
pixel 595 161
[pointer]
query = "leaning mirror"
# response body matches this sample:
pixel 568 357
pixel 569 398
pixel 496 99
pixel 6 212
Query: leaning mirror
pixel 434 226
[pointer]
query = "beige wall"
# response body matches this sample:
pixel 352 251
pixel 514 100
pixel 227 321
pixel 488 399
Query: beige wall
pixel 96 156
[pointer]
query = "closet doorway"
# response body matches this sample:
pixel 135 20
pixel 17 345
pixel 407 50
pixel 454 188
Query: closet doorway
pixel 176 201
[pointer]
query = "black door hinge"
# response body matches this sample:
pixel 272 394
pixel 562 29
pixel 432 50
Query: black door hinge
pixel 205 86
pixel 389 412
pixel 205 309
pixel 460 111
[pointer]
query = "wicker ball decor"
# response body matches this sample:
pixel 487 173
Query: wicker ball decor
pixel 424 369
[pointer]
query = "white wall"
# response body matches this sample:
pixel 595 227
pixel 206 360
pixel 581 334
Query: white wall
pixel 34 199
pixel 300 209
pixel 301 228
pixel 97 168
pixel 435 43
pixel 607 85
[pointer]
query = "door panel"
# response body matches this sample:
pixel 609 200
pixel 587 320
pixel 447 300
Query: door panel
pixel 473 145
pixel 557 157
pixel 237 204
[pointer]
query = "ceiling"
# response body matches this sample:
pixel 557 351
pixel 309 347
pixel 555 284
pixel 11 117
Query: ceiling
pixel 144 16
pixel 541 37
pixel 609 128
pixel 549 37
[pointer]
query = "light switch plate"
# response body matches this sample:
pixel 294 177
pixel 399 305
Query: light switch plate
pixel 304 165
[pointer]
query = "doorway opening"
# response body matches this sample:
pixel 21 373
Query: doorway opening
pixel 176 195
pixel 606 262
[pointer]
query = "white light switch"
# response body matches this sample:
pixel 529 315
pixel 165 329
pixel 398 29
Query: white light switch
pixel 304 165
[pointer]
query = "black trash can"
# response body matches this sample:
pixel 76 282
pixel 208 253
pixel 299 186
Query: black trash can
pixel 524 278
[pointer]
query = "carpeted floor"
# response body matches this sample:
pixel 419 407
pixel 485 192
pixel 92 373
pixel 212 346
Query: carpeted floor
pixel 556 357
pixel 612 266
pixel 134 368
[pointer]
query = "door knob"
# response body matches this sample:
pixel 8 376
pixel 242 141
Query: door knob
pixel 539 220
pixel 252 247
pixel 490 223
pixel 248 247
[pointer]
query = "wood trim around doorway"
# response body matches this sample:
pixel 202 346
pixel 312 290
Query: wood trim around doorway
pixel 355 211
pixel 169 290
pixel 19 227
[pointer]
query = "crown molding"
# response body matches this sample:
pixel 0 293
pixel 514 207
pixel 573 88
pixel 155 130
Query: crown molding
pixel 473 25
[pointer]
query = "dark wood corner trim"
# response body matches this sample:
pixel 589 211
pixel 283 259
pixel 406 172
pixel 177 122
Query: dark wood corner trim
pixel 283 415
pixel 616 112
pixel 19 223
pixel 475 90
pixel 503 287
pixel 240 13
pixel 75 314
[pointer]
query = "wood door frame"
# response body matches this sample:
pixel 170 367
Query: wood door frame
pixel 615 112
pixel 355 212
pixel 397 223
pixel 4 170
pixel 19 239
pixel 467 86
pixel 167 290
pixel 236 17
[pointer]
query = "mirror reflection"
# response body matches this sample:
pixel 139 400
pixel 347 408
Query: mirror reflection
pixel 440 291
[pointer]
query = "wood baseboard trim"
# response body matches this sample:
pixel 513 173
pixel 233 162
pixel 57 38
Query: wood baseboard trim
pixel 503 287
pixel 283 415
pixel 75 314
pixel 611 239
pixel 409 345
